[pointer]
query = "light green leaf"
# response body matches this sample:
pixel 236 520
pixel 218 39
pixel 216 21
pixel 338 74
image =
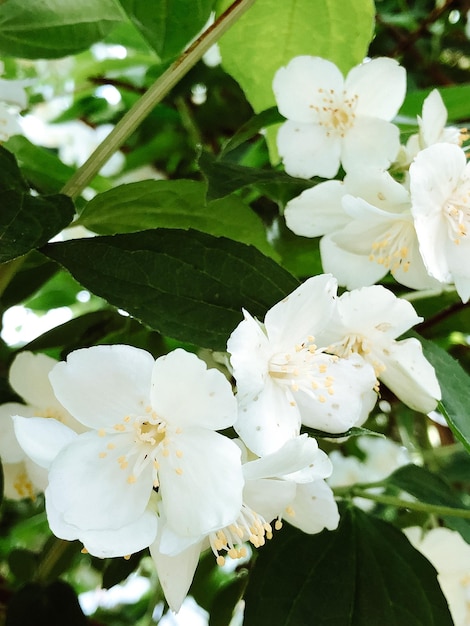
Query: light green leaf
pixel 272 32
pixel 183 283
pixel 54 28
pixel 455 99
pixel 455 404
pixel 168 25
pixel 363 574
pixel 173 204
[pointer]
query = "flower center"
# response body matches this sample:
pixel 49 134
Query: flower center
pixel 355 343
pixel 335 111
pixel 304 369
pixel 457 212
pixel 147 439
pixel 392 249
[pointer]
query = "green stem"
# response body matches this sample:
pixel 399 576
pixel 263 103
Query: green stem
pixel 49 561
pixel 432 509
pixel 131 120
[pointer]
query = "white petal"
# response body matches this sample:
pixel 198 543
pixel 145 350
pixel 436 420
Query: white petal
pixel 42 438
pixel 380 85
pixel 297 86
pixel 351 399
pixel 410 375
pixel 376 309
pixel 29 377
pixel 267 420
pixel 102 384
pixel 39 476
pixel 16 482
pixel 302 313
pixel 201 482
pixel 433 119
pixel 176 573
pixel 433 241
pixel 295 455
pixel 56 522
pixel 308 150
pixel 269 497
pixel 10 449
pixel 317 211
pixel 351 270
pixel 462 285
pixel 314 508
pixel 185 393
pixel 87 484
pixel 122 541
pixel 377 188
pixel 371 142
pixel 13 92
pixel 250 352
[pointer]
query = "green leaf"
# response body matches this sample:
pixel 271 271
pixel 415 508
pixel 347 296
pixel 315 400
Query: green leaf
pixel 27 222
pixel 430 488
pixel 54 605
pixel 251 128
pixel 185 284
pixel 33 273
pixel 224 178
pixel 10 174
pixel 173 204
pixel 23 564
pixel 364 573
pixel 117 570
pixel 168 25
pixel 355 431
pixel 272 32
pixel 51 29
pixel 455 405
pixel 455 99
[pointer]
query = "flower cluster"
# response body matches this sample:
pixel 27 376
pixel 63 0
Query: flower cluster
pixel 399 209
pixel 134 453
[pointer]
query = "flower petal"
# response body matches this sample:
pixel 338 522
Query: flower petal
pixel 267 420
pixel 410 375
pixel 10 449
pixel 29 377
pixel 318 210
pixel 269 498
pixel 185 393
pixel 175 573
pixel 371 142
pixel 102 384
pixel 380 85
pixel 90 487
pixel 42 438
pixel 201 481
pixel 302 313
pixel 299 87
pixel 308 150
pixel 314 508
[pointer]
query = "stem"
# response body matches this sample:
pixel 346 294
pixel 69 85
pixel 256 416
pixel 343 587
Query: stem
pixel 49 561
pixel 432 509
pixel 131 120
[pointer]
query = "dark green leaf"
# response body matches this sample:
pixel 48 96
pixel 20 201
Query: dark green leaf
pixel 430 488
pixel 33 273
pixel 10 175
pixel 173 204
pixel 455 405
pixel 168 25
pixel 54 605
pixel 57 556
pixel 364 573
pixel 251 128
pixel 224 603
pixel 224 178
pixel 117 570
pixel 27 222
pixel 54 28
pixel 185 284
pixel 23 564
pixel 355 431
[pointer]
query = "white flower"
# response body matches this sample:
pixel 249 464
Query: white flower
pixel 332 120
pixel 286 484
pixel 450 555
pixel 367 321
pixel 368 228
pixel 440 196
pixel 152 430
pixel 12 100
pixel 28 377
pixel 432 129
pixel 284 379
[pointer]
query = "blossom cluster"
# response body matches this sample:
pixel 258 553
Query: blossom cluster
pixel 133 453
pixel 403 209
